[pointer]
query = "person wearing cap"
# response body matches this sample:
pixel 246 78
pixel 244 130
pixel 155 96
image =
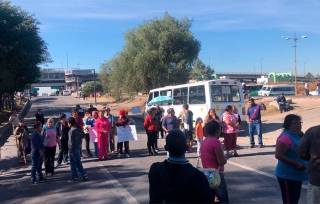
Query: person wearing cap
pixel 21 134
pixel 40 116
pixel 92 109
pixel 123 121
pixel 112 130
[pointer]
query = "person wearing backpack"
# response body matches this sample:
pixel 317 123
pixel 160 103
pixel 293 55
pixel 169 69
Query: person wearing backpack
pixel 175 180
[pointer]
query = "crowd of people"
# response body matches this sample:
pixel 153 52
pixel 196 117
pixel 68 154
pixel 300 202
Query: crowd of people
pixel 295 151
pixel 97 127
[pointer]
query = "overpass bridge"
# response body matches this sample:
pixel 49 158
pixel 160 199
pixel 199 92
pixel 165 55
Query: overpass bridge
pixel 249 76
pixel 64 79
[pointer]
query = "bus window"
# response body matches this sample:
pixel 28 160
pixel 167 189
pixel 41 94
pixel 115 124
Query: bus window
pixel 156 94
pixel 166 93
pixel 196 95
pixel 180 95
pixel 150 97
pixel 225 93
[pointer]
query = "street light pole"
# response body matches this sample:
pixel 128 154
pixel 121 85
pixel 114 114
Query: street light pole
pixel 261 65
pixel 295 39
pixel 94 87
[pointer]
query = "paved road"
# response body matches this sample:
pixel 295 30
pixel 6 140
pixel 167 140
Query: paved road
pixel 249 177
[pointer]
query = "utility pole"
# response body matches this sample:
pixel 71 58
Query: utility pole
pixel 94 87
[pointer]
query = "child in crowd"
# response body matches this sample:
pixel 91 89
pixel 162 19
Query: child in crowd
pixel 199 133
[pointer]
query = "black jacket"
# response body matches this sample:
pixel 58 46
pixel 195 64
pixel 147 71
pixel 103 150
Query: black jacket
pixel 194 190
pixel 40 117
pixel 62 130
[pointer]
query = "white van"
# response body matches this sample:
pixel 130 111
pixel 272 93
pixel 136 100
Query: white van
pixel 65 93
pixel 275 90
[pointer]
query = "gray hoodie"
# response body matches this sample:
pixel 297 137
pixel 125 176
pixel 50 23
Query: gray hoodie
pixel 75 137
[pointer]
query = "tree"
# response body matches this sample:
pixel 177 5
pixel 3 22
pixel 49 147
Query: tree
pixel 159 52
pixel 22 50
pixel 200 71
pixel 88 87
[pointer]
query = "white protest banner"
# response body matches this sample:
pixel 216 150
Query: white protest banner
pixel 127 133
pixel 136 109
pixel 93 135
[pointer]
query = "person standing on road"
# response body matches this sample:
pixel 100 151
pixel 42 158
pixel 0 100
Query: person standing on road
pixel 188 126
pixel 87 120
pixel 123 121
pixel 254 121
pixel 21 134
pixel 210 116
pixel 94 135
pixel 80 111
pixel 102 127
pixel 306 87
pixel 199 134
pixel 62 136
pixel 92 109
pixel 150 126
pixel 79 124
pixel 40 116
pixel 229 129
pixel 74 143
pixel 14 120
pixel 290 170
pixel 49 135
pixel 309 150
pixel 159 117
pixel 212 156
pixel 37 154
pixel 112 130
pixel 191 185
pixel 170 121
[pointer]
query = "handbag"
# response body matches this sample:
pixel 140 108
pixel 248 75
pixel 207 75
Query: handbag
pixel 212 175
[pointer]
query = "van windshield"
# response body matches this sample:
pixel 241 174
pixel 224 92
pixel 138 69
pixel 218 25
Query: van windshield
pixel 268 89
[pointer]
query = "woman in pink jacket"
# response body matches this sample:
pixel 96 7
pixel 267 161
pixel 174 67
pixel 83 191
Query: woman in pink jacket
pixel 102 127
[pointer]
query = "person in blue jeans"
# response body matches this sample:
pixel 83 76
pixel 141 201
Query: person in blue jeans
pixel 37 154
pixel 254 121
pixel 282 103
pixel 74 142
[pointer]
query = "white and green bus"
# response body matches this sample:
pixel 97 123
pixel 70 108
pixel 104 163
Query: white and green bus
pixel 202 96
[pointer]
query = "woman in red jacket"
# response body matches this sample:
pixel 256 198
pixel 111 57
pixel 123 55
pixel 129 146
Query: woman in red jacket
pixel 150 125
pixel 102 126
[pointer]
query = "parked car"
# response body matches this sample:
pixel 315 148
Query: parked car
pixel 275 90
pixel 65 93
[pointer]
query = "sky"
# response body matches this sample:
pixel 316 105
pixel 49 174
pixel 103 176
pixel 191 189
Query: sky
pixel 236 36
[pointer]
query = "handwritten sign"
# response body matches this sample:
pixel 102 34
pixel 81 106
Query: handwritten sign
pixel 93 135
pixel 127 134
pixel 136 109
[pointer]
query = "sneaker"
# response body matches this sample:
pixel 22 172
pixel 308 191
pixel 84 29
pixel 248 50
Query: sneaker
pixel 252 146
pixel 150 153
pixel 42 179
pixel 260 146
pixel 57 165
pixel 119 156
pixel 85 177
pixel 73 180
pixel 34 182
pixel 127 156
pixel 66 162
pixel 156 150
pixel 188 151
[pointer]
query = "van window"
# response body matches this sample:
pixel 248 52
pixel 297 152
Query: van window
pixel 166 93
pixel 197 95
pixel 180 95
pixel 221 93
pixel 150 97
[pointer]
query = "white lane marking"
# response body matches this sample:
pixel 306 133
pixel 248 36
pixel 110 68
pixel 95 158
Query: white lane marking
pixel 259 172
pixel 118 189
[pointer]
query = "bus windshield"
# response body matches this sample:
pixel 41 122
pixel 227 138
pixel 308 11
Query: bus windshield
pixel 225 93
